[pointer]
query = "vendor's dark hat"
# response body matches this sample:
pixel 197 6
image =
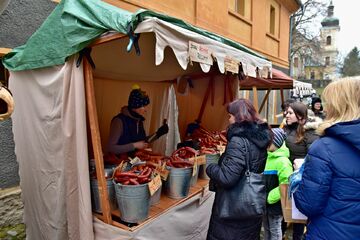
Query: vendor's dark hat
pixel 138 98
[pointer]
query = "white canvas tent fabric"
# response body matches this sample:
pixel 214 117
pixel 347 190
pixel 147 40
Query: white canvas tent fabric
pixel 49 124
pixel 178 38
pixel 188 220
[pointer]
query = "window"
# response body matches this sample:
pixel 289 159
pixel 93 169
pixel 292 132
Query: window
pixel 296 62
pixel 240 7
pixel 272 19
pixel 312 75
pixel 328 40
pixel 327 61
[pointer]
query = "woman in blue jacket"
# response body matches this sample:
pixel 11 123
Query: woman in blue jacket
pixel 329 192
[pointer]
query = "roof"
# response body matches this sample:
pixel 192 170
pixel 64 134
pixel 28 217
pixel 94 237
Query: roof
pixel 74 24
pixel 279 80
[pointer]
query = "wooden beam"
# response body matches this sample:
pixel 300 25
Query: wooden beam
pixel 107 38
pixel 264 100
pixel 282 95
pixel 255 98
pixel 96 142
pixel 4 51
pixel 207 93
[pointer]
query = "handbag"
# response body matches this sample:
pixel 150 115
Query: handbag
pixel 247 199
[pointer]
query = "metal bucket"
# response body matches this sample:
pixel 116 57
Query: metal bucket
pixel 210 158
pixel 133 202
pixel 96 205
pixel 195 178
pixel 177 184
pixel 155 199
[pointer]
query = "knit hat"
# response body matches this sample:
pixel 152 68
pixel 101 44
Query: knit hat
pixel 138 98
pixel 315 100
pixel 279 137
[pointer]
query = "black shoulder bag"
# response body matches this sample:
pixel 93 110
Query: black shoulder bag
pixel 247 199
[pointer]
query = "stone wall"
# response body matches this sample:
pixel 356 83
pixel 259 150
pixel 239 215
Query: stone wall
pixel 11 207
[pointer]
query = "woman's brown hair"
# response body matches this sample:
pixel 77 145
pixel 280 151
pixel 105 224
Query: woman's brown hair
pixel 300 111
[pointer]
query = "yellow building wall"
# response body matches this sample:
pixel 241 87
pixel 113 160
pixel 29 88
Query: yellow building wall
pixel 251 30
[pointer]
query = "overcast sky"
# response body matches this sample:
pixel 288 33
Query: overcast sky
pixel 348 12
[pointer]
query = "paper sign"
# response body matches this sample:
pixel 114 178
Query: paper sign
pixel 195 167
pixel 201 160
pixel 155 184
pixel 205 194
pixel 199 53
pixel 163 172
pixel 295 213
pixel 221 149
pixel 134 160
pixel 231 65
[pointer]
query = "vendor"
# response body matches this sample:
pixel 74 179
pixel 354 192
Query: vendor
pixel 127 128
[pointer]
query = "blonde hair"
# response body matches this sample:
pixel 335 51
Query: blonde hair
pixel 342 98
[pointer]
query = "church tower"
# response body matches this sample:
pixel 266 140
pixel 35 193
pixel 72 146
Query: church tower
pixel 328 35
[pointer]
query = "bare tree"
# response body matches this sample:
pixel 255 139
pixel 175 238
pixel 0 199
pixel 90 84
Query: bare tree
pixel 304 33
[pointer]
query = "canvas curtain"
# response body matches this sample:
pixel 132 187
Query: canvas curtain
pixel 49 125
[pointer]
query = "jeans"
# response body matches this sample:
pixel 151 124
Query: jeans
pixel 272 227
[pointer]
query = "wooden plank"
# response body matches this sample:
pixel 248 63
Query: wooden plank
pixel 107 38
pixel 264 100
pixel 164 205
pixel 255 98
pixel 282 95
pixel 96 142
pixel 4 51
pixel 275 106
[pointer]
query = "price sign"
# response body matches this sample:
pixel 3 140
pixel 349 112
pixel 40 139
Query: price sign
pixel 163 172
pixel 201 160
pixel 199 53
pixel 134 160
pixel 231 65
pixel 205 194
pixel 155 184
pixel 221 149
pixel 195 167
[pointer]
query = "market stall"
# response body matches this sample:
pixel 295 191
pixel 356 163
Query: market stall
pixel 64 107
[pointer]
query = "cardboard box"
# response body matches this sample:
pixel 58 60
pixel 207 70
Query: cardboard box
pixel 286 206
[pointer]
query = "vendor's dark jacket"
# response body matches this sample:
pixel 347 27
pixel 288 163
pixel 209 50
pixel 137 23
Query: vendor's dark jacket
pixel 228 172
pixel 300 149
pixel 329 192
pixel 133 127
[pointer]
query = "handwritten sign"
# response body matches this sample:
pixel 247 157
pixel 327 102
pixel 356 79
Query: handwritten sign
pixel 231 65
pixel 200 53
pixel 201 160
pixel 155 184
pixel 134 160
pixel 163 172
pixel 205 194
pixel 195 166
pixel 221 149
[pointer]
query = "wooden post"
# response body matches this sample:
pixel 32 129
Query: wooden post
pixel 282 95
pixel 264 100
pixel 255 100
pixel 275 106
pixel 95 138
pixel 207 93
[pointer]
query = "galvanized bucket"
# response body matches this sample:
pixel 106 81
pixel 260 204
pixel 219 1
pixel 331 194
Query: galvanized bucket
pixel 96 205
pixel 133 202
pixel 210 158
pixel 177 184
pixel 155 199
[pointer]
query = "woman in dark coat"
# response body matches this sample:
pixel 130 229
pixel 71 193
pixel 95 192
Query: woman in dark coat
pixel 328 193
pixel 244 123
pixel 300 135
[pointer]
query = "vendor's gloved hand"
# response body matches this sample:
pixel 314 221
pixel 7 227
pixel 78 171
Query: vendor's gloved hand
pixel 164 129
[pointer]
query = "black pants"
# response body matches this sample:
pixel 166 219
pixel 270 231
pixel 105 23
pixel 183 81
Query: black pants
pixel 298 231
